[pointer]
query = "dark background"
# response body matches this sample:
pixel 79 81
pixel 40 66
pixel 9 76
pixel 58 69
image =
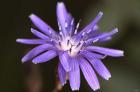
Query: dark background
pixel 18 77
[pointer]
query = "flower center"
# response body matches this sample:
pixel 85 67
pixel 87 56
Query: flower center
pixel 68 44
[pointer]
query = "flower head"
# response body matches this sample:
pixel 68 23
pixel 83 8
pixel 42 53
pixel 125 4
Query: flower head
pixel 76 50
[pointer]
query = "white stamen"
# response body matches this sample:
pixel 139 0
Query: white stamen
pixel 104 56
pixel 60 33
pixel 59 26
pixel 72 22
pixel 89 31
pixel 77 27
pixel 75 32
pixel 50 32
pixel 95 40
pixel 83 33
pixel 66 24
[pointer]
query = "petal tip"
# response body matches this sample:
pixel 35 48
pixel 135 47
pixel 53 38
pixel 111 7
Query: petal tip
pixel 31 15
pixel 32 30
pixel 108 78
pixel 101 13
pixel 60 4
pixel 75 89
pixel 122 53
pixel 18 40
pixel 23 60
pixel 97 88
pixel 116 30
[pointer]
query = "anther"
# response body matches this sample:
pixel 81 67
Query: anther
pixel 72 22
pixel 83 33
pixel 95 40
pixel 89 31
pixel 77 27
pixel 50 32
pixel 66 24
pixel 60 33
pixel 59 26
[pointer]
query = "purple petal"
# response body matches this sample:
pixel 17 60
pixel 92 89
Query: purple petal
pixel 93 32
pixel 106 51
pixel 90 28
pixel 89 74
pixel 39 34
pixel 100 68
pixel 31 41
pixel 63 17
pixel 91 54
pixel 62 74
pixel 65 60
pixel 93 23
pixel 35 51
pixel 107 35
pixel 41 25
pixel 102 37
pixel 74 75
pixel 105 39
pixel 45 57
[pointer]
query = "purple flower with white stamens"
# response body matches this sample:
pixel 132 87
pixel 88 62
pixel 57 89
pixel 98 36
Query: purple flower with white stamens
pixel 76 50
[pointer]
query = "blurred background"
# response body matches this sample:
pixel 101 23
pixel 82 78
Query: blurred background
pixel 27 77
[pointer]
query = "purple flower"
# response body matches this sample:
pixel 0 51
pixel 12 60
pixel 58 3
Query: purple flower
pixel 75 49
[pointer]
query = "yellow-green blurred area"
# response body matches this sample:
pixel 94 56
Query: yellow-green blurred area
pixel 18 77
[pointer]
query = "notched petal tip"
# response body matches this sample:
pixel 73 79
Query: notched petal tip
pixel 17 40
pixel 32 15
pixel 101 13
pixel 32 29
pixel 60 4
pixel 23 60
pixel 75 89
pixel 116 29
pixel 97 88
pixel 108 78
pixel 121 53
